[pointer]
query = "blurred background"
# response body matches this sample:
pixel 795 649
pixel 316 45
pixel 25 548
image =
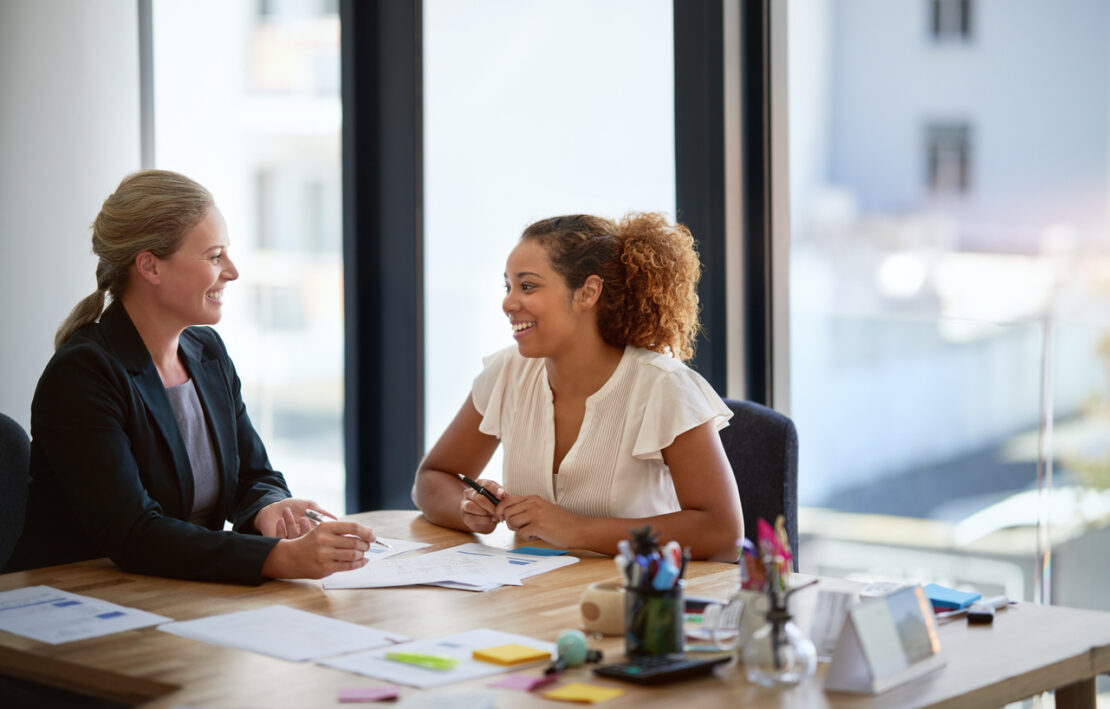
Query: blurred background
pixel 949 199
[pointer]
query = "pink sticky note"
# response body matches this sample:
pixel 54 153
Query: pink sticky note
pixel 525 682
pixel 368 694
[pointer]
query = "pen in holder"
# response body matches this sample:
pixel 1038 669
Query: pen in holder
pixel 653 622
pixel 653 600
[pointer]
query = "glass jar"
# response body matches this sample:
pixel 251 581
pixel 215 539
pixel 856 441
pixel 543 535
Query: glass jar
pixel 779 654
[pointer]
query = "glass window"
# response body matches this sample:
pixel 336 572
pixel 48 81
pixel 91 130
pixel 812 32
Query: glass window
pixel 532 109
pixel 948 157
pixel 951 19
pixel 247 103
pixel 950 282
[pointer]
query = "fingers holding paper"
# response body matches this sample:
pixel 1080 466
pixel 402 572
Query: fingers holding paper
pixel 477 512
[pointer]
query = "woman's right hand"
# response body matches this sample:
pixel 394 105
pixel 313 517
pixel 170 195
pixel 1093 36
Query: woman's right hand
pixel 327 548
pixel 478 513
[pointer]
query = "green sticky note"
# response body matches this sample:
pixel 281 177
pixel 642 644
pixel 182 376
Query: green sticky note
pixel 432 662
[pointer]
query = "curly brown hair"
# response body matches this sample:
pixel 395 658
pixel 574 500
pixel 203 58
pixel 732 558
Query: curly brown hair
pixel 649 269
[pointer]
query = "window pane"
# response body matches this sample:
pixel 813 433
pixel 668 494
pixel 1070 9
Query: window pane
pixel 247 103
pixel 532 109
pixel 949 288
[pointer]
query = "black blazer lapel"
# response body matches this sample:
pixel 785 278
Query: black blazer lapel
pixel 215 399
pixel 126 344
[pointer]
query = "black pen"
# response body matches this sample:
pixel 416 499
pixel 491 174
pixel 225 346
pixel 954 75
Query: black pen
pixel 479 489
pixel 320 519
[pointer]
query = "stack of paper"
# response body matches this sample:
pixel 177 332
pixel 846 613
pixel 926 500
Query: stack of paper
pixel 470 567
pixel 52 616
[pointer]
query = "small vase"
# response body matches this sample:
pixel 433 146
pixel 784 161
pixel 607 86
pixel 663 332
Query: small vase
pixel 731 625
pixel 779 654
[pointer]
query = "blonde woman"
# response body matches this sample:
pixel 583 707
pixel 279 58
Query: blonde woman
pixel 603 426
pixel 141 445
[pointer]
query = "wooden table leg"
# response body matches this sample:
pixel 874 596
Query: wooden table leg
pixel 1080 695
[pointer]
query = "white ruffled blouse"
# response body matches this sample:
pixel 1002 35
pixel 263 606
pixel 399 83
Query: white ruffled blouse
pixel 615 468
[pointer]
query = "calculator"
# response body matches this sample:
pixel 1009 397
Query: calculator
pixel 661 670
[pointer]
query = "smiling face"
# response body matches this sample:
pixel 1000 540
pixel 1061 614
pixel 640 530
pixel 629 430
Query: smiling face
pixel 193 277
pixel 538 303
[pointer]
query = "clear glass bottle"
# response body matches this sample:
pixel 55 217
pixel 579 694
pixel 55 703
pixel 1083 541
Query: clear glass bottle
pixel 779 654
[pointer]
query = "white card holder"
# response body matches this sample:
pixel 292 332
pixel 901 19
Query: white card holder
pixel 828 620
pixel 885 642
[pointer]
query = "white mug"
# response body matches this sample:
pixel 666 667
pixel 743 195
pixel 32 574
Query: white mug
pixel 603 608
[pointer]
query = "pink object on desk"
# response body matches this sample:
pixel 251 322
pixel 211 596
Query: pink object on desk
pixel 525 682
pixel 368 694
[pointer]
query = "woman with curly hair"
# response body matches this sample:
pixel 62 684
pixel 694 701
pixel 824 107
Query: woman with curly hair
pixel 603 425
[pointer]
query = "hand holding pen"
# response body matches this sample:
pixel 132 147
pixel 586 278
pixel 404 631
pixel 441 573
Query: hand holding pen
pixel 322 550
pixel 478 509
pixel 318 518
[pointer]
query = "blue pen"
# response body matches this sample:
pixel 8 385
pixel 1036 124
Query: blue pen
pixel 665 577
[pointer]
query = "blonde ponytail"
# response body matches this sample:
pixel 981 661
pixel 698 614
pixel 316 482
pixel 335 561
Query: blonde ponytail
pixel 85 312
pixel 151 210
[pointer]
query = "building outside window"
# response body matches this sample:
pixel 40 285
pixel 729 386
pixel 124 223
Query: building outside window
pixel 533 108
pixel 950 20
pixel 253 113
pixel 948 158
pixel 947 355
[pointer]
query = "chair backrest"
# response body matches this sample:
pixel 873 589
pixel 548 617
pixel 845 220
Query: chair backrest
pixel 15 455
pixel 762 448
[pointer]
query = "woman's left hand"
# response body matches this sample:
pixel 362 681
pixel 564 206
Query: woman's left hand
pixel 533 517
pixel 285 519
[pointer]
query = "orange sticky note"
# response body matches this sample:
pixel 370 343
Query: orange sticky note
pixel 582 692
pixel 511 654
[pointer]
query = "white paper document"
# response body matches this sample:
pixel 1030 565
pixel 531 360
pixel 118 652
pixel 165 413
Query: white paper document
pixel 400 546
pixel 467 566
pixel 284 632
pixel 459 646
pixel 52 616
pixel 521 564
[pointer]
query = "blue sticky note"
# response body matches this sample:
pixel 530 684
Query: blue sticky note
pixel 944 597
pixel 538 551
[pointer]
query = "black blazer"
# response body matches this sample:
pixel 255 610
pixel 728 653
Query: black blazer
pixel 110 475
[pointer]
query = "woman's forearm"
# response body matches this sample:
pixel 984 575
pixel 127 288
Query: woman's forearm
pixel 439 497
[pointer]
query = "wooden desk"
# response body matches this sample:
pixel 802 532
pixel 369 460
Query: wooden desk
pixel 1029 649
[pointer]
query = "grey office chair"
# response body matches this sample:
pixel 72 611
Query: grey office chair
pixel 762 448
pixel 15 452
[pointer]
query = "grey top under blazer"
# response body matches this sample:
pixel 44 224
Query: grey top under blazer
pixel 110 475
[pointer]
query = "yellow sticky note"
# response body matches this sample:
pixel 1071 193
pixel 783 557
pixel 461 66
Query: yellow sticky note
pixel 511 654
pixel 582 692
